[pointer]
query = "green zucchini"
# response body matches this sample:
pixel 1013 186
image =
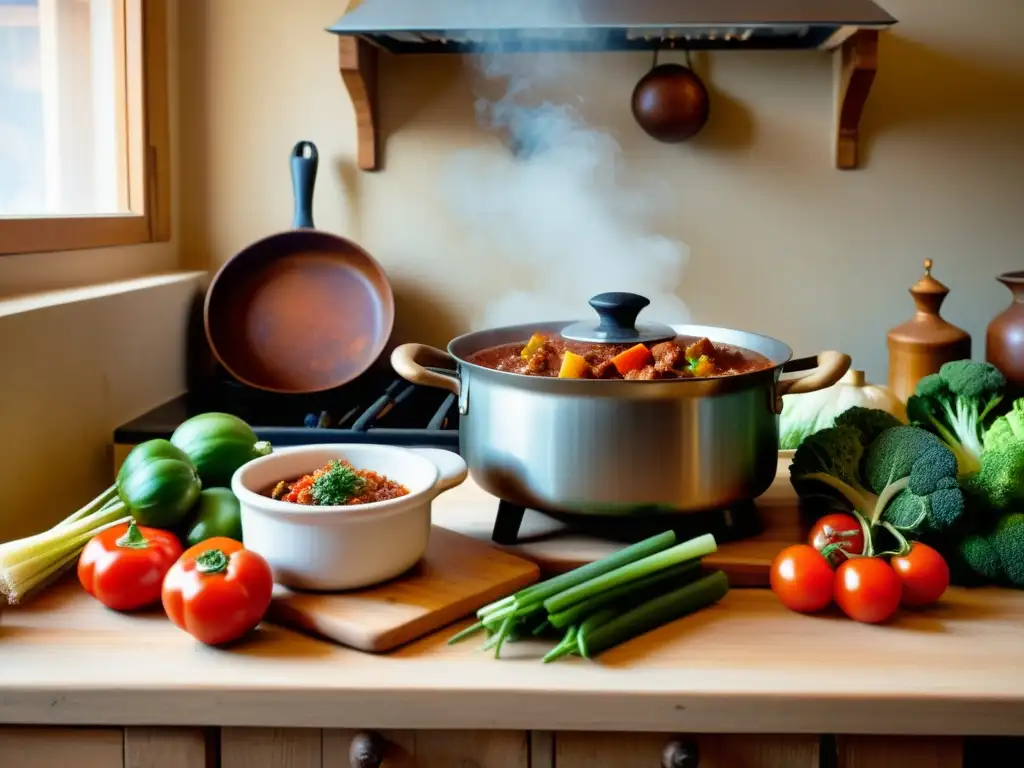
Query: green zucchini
pixel 218 444
pixel 161 492
pixel 217 513
pixel 143 453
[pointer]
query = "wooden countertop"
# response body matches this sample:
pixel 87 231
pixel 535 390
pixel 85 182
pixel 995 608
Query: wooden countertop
pixel 744 665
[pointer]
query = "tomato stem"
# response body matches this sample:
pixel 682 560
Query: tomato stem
pixel 900 538
pixel 865 527
pixel 132 538
pixel 211 561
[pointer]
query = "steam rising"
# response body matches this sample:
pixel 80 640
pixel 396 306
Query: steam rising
pixel 560 207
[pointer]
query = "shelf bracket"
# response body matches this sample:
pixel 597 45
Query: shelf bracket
pixel 357 60
pixel 854 67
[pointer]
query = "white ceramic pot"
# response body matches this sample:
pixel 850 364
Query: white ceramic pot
pixel 345 547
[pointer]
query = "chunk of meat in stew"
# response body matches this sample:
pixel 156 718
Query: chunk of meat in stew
pixel 677 359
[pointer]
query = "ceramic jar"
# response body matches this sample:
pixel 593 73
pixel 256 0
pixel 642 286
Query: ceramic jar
pixel 1004 339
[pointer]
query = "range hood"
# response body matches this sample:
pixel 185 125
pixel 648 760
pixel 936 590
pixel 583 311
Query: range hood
pixel 466 26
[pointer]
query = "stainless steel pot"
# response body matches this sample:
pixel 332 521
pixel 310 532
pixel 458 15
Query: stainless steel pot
pixel 614 447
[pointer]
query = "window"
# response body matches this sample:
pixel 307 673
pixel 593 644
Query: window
pixel 84 144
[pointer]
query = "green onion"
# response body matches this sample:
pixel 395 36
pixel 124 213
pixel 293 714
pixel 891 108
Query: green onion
pixel 688 550
pixel 539 592
pixel 564 648
pixel 633 591
pixel 654 613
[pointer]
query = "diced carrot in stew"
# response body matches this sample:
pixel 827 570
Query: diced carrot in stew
pixel 703 366
pixel 536 342
pixel 573 367
pixel 632 359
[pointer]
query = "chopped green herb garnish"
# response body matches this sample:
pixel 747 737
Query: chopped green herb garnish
pixel 336 486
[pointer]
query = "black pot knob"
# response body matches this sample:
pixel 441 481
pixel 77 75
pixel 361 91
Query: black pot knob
pixel 617 313
pixel 680 753
pixel 366 751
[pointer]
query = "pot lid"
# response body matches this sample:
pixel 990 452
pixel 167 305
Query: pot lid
pixel 617 313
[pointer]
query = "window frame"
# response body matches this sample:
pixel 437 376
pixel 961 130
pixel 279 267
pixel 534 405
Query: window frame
pixel 144 115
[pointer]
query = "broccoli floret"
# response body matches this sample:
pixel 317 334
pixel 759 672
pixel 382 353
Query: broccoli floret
pixel 871 422
pixel 832 457
pixel 995 555
pixel 917 472
pixel 1007 539
pixel 954 404
pixel 980 560
pixel 908 478
pixel 1000 482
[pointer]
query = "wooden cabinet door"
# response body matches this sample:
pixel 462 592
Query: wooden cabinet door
pixel 899 752
pixel 271 748
pixel 576 749
pixel 166 748
pixel 62 747
pixel 428 749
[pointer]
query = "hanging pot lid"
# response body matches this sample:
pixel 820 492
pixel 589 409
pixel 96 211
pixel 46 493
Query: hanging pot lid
pixel 617 313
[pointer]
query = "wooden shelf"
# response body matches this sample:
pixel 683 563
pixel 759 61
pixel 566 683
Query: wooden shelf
pixel 855 64
pixel 357 60
pixel 854 67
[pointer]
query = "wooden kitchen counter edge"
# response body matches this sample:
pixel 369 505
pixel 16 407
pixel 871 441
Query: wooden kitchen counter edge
pixel 744 665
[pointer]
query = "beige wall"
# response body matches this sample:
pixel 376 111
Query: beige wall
pixel 79 361
pixel 777 239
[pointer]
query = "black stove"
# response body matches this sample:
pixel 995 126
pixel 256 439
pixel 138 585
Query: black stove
pixel 380 407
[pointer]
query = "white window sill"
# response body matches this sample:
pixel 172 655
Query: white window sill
pixel 17 305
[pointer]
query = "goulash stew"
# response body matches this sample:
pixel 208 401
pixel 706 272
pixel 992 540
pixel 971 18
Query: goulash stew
pixel 337 484
pixel 678 359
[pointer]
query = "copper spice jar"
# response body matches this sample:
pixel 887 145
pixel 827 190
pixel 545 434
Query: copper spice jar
pixel 921 345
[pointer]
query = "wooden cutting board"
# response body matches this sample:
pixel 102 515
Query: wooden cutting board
pixel 457 576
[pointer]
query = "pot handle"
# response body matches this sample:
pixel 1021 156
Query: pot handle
pixel 831 367
pixel 408 360
pixel 452 467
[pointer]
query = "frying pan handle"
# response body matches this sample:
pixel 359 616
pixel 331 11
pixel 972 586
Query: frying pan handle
pixel 303 181
pixel 831 367
pixel 408 361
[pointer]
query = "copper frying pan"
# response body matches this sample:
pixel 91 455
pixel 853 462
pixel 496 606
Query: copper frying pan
pixel 301 311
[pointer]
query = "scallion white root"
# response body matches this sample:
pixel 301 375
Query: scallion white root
pixel 30 563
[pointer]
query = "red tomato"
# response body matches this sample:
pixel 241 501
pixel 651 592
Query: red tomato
pixel 838 528
pixel 124 566
pixel 218 590
pixel 867 589
pixel 802 579
pixel 923 573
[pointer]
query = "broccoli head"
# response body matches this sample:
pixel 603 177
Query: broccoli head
pixel 995 556
pixel 870 421
pixel 908 477
pixel 1000 482
pixel 916 473
pixel 954 404
pixel 1007 539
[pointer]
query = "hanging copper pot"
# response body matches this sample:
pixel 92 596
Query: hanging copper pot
pixel 671 102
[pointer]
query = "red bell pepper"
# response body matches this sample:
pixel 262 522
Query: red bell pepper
pixel 218 590
pixel 123 567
